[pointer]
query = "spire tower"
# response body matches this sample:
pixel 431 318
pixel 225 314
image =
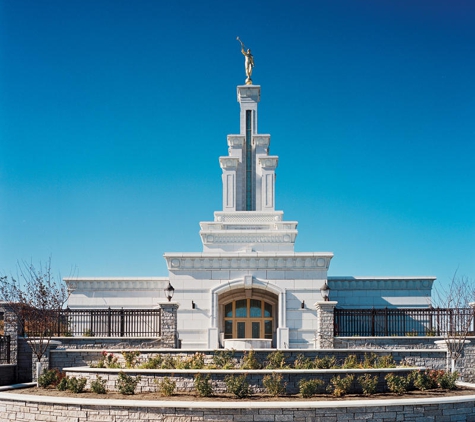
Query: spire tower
pixel 248 221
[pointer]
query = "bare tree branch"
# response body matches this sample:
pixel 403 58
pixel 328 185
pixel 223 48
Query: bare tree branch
pixel 36 298
pixel 458 298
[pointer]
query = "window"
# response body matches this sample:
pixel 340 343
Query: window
pixel 248 318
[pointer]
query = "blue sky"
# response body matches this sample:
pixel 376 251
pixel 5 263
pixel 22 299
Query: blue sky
pixel 113 115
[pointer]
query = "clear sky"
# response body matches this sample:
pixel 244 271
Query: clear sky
pixel 113 115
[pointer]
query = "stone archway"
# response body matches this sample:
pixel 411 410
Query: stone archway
pixel 248 308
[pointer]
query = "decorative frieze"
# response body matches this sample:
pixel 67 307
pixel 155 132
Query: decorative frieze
pixel 249 217
pixel 251 238
pixel 134 284
pixel 249 261
pixel 380 283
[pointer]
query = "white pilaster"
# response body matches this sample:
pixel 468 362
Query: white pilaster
pixel 229 166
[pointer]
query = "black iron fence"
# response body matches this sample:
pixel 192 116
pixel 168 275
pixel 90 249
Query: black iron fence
pixel 4 349
pixel 403 322
pixel 100 323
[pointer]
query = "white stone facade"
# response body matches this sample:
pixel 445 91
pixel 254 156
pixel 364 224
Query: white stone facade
pixel 248 282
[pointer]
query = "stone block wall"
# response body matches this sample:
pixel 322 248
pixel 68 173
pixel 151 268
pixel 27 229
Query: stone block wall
pixel 184 379
pixel 465 365
pixel 24 411
pixel 109 343
pixel 10 328
pixel 430 358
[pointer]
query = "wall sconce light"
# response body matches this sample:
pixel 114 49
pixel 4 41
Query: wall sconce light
pixel 169 291
pixel 302 306
pixel 325 291
pixel 193 305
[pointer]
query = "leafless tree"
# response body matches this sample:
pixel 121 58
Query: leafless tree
pixel 455 317
pixel 35 298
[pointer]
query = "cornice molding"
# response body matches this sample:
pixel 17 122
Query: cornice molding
pixel 228 163
pixel 269 162
pixel 261 140
pixel 236 141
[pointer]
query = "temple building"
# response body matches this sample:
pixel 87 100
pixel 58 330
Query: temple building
pixel 248 287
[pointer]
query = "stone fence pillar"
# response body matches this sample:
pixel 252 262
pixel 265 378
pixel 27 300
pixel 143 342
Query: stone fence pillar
pixel 325 324
pixel 10 328
pixel 168 324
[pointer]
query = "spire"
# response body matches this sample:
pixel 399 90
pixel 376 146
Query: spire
pixel 248 221
pixel 249 170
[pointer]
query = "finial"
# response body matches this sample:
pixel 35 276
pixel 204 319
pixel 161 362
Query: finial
pixel 248 61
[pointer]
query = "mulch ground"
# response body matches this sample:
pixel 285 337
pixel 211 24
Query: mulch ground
pixel 254 398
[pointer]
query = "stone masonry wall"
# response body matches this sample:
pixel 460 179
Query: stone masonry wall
pixel 21 411
pixel 435 359
pixel 109 343
pixel 185 379
pixel 465 365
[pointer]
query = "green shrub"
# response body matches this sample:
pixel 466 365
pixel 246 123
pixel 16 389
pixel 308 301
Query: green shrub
pixel 238 385
pixel 107 360
pixel 88 333
pixel 50 377
pixel 308 388
pixel 166 387
pixel 326 362
pixel 397 383
pixel 422 380
pixel 203 385
pixel 76 385
pixel 250 361
pixel 223 359
pixel 168 362
pixel 63 384
pixel 276 360
pixel 369 360
pixel 274 384
pixel 368 384
pixel 340 386
pixel 130 358
pixel 385 361
pixel 152 363
pixel 127 384
pixel 447 380
pixel 443 379
pixel 302 362
pixel 98 386
pixel 351 362
pixel 196 361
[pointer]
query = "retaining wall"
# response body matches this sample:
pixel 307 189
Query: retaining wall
pixel 184 378
pixel 434 359
pixel 22 408
pixel 465 364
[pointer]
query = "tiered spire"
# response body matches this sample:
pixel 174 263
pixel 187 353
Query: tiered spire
pixel 248 221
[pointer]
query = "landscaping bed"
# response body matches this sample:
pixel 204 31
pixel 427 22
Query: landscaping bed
pixel 52 392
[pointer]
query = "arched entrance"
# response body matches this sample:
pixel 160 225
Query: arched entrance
pixel 248 314
pixel 251 307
